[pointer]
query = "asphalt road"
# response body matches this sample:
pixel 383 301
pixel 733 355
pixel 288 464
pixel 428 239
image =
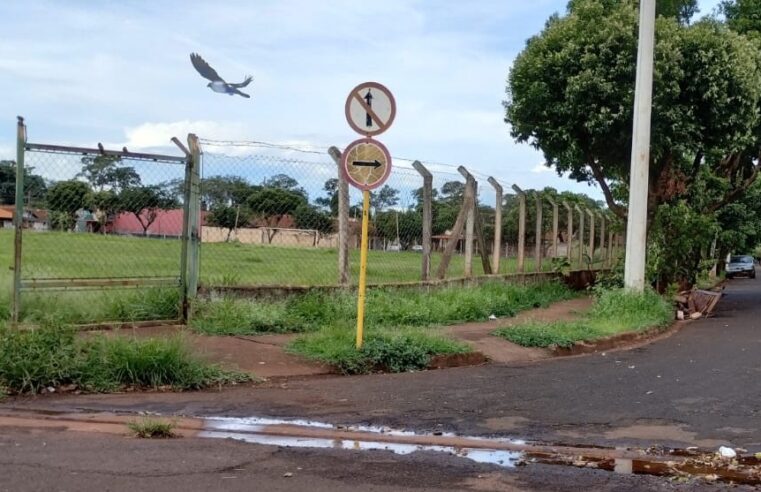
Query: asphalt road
pixel 700 386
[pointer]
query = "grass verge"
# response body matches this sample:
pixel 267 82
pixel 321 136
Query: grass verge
pixel 53 355
pixel 614 311
pixel 152 429
pixel 386 308
pixel 406 349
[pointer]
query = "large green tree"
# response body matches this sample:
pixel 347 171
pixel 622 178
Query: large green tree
pixel 570 94
pixel 34 185
pixel 743 16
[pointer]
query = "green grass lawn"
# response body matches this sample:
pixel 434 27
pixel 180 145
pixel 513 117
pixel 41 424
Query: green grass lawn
pixel 81 255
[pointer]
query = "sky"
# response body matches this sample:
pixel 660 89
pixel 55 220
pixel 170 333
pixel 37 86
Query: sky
pixel 118 72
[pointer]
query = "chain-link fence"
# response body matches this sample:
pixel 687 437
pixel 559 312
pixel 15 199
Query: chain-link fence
pixel 91 221
pixel 272 218
pixel 93 224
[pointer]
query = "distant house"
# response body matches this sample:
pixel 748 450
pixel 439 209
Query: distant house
pixel 33 218
pixel 6 218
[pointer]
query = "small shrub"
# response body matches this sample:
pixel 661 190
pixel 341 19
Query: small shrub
pixel 393 352
pixel 34 359
pixel 152 429
pixel 111 362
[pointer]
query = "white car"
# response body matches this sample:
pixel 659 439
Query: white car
pixel 741 265
pixel 417 247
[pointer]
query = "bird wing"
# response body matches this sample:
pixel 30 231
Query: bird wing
pixel 204 68
pixel 245 82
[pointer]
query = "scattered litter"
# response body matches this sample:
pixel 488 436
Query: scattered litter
pixel 649 393
pixel 696 315
pixel 492 317
pixel 287 474
pixel 726 452
pixel 51 389
pixel 632 367
pixel 680 315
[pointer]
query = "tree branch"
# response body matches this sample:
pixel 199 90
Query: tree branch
pixel 600 178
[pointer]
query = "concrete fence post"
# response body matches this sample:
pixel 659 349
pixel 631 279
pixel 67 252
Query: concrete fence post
pixel 427 217
pixel 497 223
pixel 521 228
pixel 343 220
pixel 569 232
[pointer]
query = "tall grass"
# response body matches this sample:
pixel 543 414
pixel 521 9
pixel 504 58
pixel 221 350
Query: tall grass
pixel 614 311
pixel 385 308
pixel 399 350
pixel 53 355
pixel 81 307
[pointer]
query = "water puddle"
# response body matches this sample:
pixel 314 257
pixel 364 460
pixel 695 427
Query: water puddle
pixel 502 452
pixel 310 434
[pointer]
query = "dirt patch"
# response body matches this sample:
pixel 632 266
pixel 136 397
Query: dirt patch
pixel 479 335
pixel 262 356
pixel 457 360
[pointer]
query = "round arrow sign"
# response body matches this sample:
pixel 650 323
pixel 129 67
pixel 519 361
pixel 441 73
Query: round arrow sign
pixel 370 108
pixel 366 163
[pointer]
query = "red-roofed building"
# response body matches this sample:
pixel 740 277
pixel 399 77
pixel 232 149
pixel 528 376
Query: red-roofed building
pixel 166 223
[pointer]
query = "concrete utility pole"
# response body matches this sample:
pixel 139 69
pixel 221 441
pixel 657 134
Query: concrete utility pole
pixel 636 224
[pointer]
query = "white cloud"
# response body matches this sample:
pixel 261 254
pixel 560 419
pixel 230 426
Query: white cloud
pixel 541 168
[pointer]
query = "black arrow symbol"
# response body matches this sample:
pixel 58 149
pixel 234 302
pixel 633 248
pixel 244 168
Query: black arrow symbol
pixel 376 164
pixel 369 99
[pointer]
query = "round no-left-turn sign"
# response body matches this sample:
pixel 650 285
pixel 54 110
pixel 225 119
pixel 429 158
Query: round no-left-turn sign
pixel 370 109
pixel 366 163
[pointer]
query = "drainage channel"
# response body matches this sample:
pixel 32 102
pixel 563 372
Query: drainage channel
pixel 502 452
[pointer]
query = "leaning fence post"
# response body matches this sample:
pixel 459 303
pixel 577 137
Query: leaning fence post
pixel 194 217
pixel 591 237
pixel 185 302
pixel 569 233
pixel 497 223
pixel 427 217
pixel 581 235
pixel 521 227
pixel 479 230
pixel 343 220
pixel 538 234
pixel 18 219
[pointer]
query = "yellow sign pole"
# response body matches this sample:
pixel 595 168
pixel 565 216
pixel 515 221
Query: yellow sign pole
pixel 363 267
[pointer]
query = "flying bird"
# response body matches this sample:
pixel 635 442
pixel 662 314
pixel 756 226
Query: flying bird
pixel 217 83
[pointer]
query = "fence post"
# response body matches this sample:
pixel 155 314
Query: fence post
pixel 470 182
pixel 521 227
pixel 554 226
pixel 581 235
pixel 497 224
pixel 569 233
pixel 602 238
pixel 427 217
pixel 194 217
pixel 591 237
pixel 467 201
pixel 18 219
pixel 538 234
pixel 479 230
pixel 184 301
pixel 610 247
pixel 343 220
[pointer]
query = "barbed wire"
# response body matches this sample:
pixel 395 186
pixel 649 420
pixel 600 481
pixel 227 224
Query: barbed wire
pixel 321 150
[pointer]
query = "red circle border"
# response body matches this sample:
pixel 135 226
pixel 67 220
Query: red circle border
pixel 347 108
